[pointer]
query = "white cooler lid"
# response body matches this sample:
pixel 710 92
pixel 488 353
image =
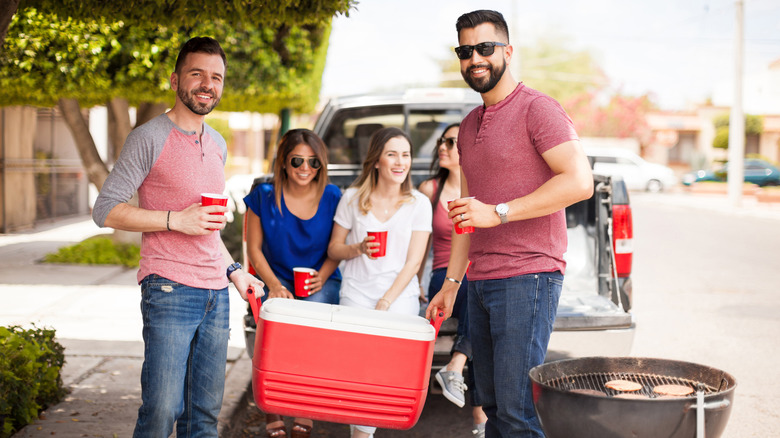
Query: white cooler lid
pixel 350 319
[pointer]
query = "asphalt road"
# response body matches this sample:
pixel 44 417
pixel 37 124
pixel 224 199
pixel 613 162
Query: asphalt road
pixel 705 291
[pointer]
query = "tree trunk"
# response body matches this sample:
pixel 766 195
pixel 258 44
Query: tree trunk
pixel 147 111
pixel 7 11
pixel 118 124
pixel 97 172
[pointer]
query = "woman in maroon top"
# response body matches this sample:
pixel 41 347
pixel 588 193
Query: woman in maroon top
pixel 445 186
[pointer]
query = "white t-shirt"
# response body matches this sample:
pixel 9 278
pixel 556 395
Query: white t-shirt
pixel 364 281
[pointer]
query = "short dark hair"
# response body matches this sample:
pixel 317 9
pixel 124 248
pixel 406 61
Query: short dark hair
pixel 475 18
pixel 199 45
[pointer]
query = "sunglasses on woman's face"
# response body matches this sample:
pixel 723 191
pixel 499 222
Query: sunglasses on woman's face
pixel 297 162
pixel 484 49
pixel 449 141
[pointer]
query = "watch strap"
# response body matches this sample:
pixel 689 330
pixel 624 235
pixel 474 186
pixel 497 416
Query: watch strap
pixel 232 268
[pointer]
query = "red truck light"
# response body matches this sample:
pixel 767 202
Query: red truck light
pixel 622 238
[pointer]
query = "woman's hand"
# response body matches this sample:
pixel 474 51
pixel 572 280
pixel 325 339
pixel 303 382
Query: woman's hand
pixel 314 284
pixel 423 296
pixel 279 291
pixel 369 247
pixel 382 304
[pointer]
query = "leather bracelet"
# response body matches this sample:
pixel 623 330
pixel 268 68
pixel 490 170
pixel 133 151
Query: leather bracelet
pixel 453 280
pixel 168 221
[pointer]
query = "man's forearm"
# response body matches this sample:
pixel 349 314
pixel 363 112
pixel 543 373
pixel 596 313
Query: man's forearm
pixel 129 218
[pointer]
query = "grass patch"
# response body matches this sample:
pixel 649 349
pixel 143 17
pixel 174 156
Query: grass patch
pixel 97 250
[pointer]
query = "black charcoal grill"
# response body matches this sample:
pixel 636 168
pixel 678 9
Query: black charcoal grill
pixel 572 400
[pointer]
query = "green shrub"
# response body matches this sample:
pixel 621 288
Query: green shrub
pixel 98 250
pixel 30 380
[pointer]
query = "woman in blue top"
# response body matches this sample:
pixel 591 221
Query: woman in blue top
pixel 288 225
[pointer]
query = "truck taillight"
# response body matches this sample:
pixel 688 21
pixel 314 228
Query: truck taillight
pixel 622 238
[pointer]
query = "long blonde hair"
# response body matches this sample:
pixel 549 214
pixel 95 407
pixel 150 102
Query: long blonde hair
pixel 289 141
pixel 369 176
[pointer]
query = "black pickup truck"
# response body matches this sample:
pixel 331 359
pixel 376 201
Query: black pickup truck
pixel 594 317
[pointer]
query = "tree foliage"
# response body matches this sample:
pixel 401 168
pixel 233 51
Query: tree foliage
pixel 563 74
pixel 47 58
pixel 191 13
pixel 754 125
pixel 622 117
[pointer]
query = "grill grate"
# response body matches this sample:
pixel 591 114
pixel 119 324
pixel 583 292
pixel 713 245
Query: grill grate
pixel 596 381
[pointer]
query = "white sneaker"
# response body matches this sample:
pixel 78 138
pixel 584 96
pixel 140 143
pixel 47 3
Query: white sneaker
pixel 452 386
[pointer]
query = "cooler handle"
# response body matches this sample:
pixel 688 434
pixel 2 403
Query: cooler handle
pixel 437 321
pixel 255 302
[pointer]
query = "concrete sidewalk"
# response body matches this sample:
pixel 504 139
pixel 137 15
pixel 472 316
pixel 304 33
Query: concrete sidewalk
pixel 95 311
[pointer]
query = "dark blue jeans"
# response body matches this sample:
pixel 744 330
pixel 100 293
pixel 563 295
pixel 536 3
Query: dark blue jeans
pixel 510 322
pixel 185 335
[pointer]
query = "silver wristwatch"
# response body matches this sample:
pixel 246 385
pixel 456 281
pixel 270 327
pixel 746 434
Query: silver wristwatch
pixel 501 210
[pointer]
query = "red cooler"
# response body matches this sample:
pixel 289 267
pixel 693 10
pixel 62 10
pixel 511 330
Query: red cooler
pixel 341 364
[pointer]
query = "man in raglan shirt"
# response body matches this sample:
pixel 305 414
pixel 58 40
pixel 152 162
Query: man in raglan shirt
pixel 522 162
pixel 185 267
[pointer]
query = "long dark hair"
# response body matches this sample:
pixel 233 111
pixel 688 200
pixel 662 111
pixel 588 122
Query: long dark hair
pixel 289 141
pixel 441 172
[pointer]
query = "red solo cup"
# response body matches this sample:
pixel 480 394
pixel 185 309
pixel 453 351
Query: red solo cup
pixel 213 199
pixel 458 229
pixel 301 275
pixel 381 238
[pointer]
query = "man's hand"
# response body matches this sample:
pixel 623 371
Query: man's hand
pixel 197 220
pixel 444 300
pixel 242 280
pixel 470 212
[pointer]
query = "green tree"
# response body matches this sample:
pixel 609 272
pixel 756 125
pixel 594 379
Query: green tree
pixel 74 63
pixel 185 12
pixel 754 125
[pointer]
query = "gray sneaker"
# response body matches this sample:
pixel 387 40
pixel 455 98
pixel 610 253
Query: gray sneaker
pixel 452 386
pixel 479 430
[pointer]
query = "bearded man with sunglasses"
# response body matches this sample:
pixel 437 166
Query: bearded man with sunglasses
pixel 185 268
pixel 522 162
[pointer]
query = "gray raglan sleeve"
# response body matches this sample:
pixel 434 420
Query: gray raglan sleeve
pixel 132 167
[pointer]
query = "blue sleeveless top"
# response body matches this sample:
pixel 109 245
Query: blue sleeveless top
pixel 288 241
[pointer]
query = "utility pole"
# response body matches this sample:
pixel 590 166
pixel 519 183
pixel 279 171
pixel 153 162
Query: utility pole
pixel 736 175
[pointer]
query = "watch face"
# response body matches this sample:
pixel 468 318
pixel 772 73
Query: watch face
pixel 502 208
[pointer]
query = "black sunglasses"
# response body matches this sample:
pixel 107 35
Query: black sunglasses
pixel 484 49
pixel 449 141
pixel 297 162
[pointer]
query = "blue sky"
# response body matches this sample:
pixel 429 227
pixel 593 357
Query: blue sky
pixel 681 52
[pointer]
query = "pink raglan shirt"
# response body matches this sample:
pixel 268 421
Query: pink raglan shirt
pixel 170 168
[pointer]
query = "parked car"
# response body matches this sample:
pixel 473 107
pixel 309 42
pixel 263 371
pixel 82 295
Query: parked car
pixel 637 173
pixel 756 171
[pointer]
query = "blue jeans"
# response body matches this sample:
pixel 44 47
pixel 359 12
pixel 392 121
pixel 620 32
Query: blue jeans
pixel 329 294
pixel 185 335
pixel 510 322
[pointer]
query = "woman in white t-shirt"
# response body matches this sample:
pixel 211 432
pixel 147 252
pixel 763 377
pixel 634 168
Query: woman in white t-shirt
pixel 382 199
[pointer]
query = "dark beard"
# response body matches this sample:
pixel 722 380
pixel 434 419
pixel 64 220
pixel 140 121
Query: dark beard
pixel 484 85
pixel 194 106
